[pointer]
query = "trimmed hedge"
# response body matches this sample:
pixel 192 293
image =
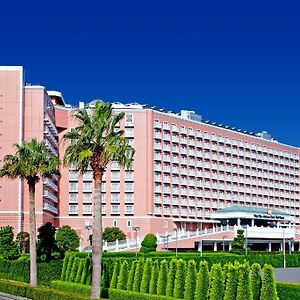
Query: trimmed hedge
pixel 115 294
pixel 39 293
pixel 288 291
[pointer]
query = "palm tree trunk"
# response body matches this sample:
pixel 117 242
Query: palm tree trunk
pixel 97 237
pixel 32 231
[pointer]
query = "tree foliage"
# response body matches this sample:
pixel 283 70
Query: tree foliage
pixel 146 276
pixel 22 240
pixel 238 244
pixel 122 279
pixel 149 244
pixel 8 247
pixel 256 280
pixel 111 234
pixel 244 290
pixel 163 277
pixel 216 289
pixel 66 239
pixel 154 278
pixel 231 283
pixel 138 276
pixel 268 287
pixel 190 280
pixel 179 279
pixel 131 276
pixel 202 281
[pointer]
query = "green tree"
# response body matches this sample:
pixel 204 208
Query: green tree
pixel 146 276
pixel 8 247
pixel 170 278
pixel 22 240
pixel 231 283
pixel 154 278
pixel 268 287
pixel 149 243
pixel 255 280
pixel 131 276
pixel 111 234
pixel 244 290
pixel 31 162
pixel 122 279
pixel 46 242
pixel 179 279
pixel 238 244
pixel 95 142
pixel 216 289
pixel 66 239
pixel 138 276
pixel 162 278
pixel 202 281
pixel 190 280
pixel 115 275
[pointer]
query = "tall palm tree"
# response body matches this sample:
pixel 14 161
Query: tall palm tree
pixel 31 161
pixel 96 143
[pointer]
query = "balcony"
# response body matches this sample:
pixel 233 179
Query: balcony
pixel 50 184
pixel 50 207
pixel 47 194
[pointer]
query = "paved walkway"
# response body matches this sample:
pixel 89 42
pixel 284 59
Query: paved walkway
pixel 287 275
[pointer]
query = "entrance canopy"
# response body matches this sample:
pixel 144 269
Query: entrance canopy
pixel 254 213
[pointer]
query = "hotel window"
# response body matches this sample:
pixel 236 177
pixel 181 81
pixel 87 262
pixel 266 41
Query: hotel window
pixel 128 197
pixel 157 123
pixel 115 175
pixel 87 209
pixel 73 175
pixel 115 165
pixel 128 209
pixel 87 186
pixel 73 186
pixel 87 197
pixel 128 119
pixel 115 187
pixel 128 132
pixel 130 142
pixel 73 198
pixel 128 175
pixel 73 209
pixel 103 209
pixel 103 187
pixel 115 209
pixel 88 176
pixel 103 198
pixel 128 186
pixel 115 198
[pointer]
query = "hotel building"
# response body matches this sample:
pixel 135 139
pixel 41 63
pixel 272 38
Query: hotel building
pixel 187 173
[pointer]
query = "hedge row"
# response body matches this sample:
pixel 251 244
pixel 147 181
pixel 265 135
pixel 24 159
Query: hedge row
pixel 115 294
pixel 288 291
pixel 19 270
pixel 39 293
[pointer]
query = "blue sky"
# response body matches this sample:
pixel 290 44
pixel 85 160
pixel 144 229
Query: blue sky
pixel 234 62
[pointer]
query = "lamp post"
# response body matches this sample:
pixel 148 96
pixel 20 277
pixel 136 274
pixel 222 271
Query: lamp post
pixel 136 230
pixel 176 238
pixel 283 247
pixel 224 236
pixel 246 240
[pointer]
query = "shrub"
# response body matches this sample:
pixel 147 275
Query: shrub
pixel 65 265
pixel 79 270
pixel 8 247
pixel 149 244
pixel 288 291
pixel 138 276
pixel 255 280
pixel 130 295
pixel 231 283
pixel 85 269
pixel 163 277
pixel 202 281
pixel 131 276
pixel 111 234
pixel 179 279
pixel 268 287
pixel 154 278
pixel 146 276
pixel 216 289
pixel 122 279
pixel 22 239
pixel 114 279
pixel 238 244
pixel 66 239
pixel 74 269
pixel 169 289
pixel 71 287
pixel 190 280
pixel 49 271
pixel 244 290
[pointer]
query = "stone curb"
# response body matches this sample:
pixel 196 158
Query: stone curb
pixel 13 297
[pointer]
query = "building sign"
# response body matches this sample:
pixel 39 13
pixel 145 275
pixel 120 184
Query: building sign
pixel 268 216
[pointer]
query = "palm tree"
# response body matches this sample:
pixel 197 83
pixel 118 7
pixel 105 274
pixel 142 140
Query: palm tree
pixel 96 143
pixel 31 162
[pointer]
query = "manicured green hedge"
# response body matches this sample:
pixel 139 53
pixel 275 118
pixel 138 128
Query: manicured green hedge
pixel 115 294
pixel 288 291
pixel 19 270
pixel 39 293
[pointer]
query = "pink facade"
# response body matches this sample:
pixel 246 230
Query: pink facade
pixel 184 168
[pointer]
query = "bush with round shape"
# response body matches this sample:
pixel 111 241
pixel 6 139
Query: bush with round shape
pixel 179 279
pixel 162 278
pixel 256 280
pixel 202 281
pixel 154 278
pixel 149 244
pixel 146 276
pixel 216 289
pixel 9 249
pixel 122 279
pixel 244 289
pixel 66 239
pixel 111 234
pixel 190 280
pixel 268 287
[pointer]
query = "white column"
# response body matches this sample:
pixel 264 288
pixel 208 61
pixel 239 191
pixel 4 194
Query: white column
pixel 238 222
pixel 215 246
pixel 229 246
pixel 252 222
pixel 292 246
pixel 270 247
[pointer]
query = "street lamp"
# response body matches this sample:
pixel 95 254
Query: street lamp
pixel 246 240
pixel 283 247
pixel 201 241
pixel 176 238
pixel 136 230
pixel 224 236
